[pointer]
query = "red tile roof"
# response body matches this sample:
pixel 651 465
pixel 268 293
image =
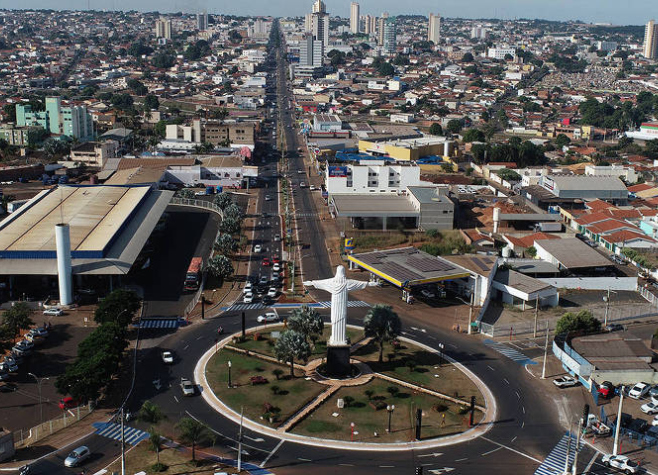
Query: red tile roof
pixel 622 236
pixel 598 205
pixel 527 241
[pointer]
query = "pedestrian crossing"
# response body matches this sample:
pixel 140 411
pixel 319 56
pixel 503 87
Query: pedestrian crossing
pixel 112 430
pixel 160 323
pixel 259 306
pixel 511 353
pixel 554 463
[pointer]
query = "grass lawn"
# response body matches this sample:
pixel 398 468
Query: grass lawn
pixel 178 462
pixel 441 243
pixel 368 420
pixel 266 344
pixel 429 372
pixel 293 393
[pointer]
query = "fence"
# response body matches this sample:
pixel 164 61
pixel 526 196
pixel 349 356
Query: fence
pixel 25 438
pixel 197 204
pixel 649 296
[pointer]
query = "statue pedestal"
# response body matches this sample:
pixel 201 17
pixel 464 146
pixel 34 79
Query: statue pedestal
pixel 338 361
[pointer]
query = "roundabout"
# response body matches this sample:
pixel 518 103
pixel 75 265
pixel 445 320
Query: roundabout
pixel 351 413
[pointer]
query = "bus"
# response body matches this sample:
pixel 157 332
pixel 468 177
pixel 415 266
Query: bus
pixel 193 275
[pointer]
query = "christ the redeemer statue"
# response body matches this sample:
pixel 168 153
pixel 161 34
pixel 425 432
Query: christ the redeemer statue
pixel 337 348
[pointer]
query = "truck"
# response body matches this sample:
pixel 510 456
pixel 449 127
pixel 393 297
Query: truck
pixel 549 227
pixel 193 275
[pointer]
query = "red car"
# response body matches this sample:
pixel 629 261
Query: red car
pixel 266 261
pixel 606 390
pixel 68 403
pixel 275 260
pixel 257 380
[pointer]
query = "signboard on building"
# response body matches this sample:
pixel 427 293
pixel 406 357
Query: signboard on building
pixel 337 172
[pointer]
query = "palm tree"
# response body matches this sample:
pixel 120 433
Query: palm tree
pixel 292 345
pixel 382 324
pixel 155 441
pixel 150 413
pixel 193 432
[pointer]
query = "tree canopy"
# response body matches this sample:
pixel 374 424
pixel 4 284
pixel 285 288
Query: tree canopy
pixel 307 322
pixel 382 324
pixel 290 346
pixel 582 321
pixel 118 306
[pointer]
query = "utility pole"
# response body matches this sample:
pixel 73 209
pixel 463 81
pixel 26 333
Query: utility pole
pixel 575 455
pixel 123 446
pixel 240 441
pixel 470 310
pixel 607 307
pixel 615 446
pixel 543 370
pixel 566 460
pixel 534 333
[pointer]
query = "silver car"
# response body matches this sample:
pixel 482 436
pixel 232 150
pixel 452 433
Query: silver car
pixel 187 387
pixel 77 457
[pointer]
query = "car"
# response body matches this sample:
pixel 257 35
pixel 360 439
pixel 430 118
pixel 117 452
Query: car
pixel 621 462
pixel 258 248
pixel 11 368
pixel 17 357
pixel 257 380
pixel 275 259
pixel 428 294
pixel 24 345
pixel 266 261
pixel 312 188
pixel 248 288
pixel 566 382
pixel 200 193
pixel 68 402
pixel 187 387
pixel 40 331
pixel 53 312
pixel 275 277
pixel 649 408
pixel 10 359
pixel 167 357
pixel 263 281
pixel 268 198
pixel 614 327
pixel 269 317
pixel 302 185
pixel 300 172
pixel 277 237
pixel 4 375
pixel 272 292
pixel 606 389
pixel 248 298
pixel 653 392
pixel 639 391
pixel 276 267
pixel 77 456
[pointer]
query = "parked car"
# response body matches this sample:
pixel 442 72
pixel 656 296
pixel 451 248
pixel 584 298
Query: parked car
pixel 258 248
pixel 621 462
pixel 77 456
pixel 276 267
pixel 275 259
pixel 248 298
pixel 268 198
pixel 167 357
pixel 639 391
pixel 187 387
pixel 11 368
pixel 606 389
pixel 566 382
pixel 248 288
pixel 277 237
pixel 302 185
pixel 312 188
pixel 53 312
pixel 649 408
pixel 268 318
pixel 272 292
pixel 263 281
pixel 266 261
pixel 68 403
pixel 4 376
pixel 41 331
pixel 614 327
pixel 428 294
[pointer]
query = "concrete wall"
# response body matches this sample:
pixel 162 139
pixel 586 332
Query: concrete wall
pixel 593 283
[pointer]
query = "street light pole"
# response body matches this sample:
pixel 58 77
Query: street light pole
pixel 543 370
pixel 240 441
pixel 39 381
pixel 615 446
pixel 607 307
pixel 123 446
pixel 229 374
pixel 390 408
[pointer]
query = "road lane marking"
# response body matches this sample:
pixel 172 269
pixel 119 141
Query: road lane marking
pixel 591 462
pixel 506 381
pixel 523 409
pixel 490 368
pixel 517 394
pixel 346 464
pixel 518 452
pixel 512 441
pixel 176 399
pixel 461 460
pixel 269 456
pixel 186 347
pixel 387 466
pixel 492 451
pixel 303 459
pixel 199 338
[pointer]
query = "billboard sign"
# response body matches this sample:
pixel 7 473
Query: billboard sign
pixel 336 172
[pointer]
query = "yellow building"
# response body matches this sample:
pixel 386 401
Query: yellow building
pixel 409 149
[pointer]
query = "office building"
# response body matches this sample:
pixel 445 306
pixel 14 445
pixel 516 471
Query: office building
pixel 308 23
pixel 202 21
pixel 311 51
pixel 479 33
pixel 370 25
pixel 389 36
pixel 319 23
pixel 651 40
pixel 500 53
pixel 355 18
pixel 71 121
pixel 434 29
pixel 163 28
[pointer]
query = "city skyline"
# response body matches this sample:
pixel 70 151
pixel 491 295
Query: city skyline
pixel 607 11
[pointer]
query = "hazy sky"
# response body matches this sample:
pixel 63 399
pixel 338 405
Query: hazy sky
pixel 604 11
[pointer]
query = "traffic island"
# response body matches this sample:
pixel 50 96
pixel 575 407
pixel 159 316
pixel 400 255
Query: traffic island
pixel 379 407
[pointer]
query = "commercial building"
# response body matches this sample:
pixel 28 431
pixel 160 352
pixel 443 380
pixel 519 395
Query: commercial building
pixel 650 48
pixel 327 123
pixel 202 21
pixel 389 37
pixel 500 53
pixel 408 149
pixel 648 131
pixel 628 174
pixel 370 176
pixel 570 254
pixel 220 134
pixel 71 121
pixel 319 26
pixel 608 188
pixel 22 136
pixel 109 226
pixel 163 28
pixel 355 18
pixel 434 29
pixel 94 154
pixel 311 52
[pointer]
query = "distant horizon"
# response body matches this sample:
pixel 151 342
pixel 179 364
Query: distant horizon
pixel 606 11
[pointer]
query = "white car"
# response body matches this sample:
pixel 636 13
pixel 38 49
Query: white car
pixel 276 267
pixel 53 312
pixel 258 248
pixel 312 188
pixel 621 462
pixel 248 298
pixel 269 317
pixel 649 408
pixel 268 198
pixel 654 421
pixel 187 387
pixel 248 288
pixel 302 185
pixel 566 382
pixel 167 357
pixel 272 292
pixel 639 391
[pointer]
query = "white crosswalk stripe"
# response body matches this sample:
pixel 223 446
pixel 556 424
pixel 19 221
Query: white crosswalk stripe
pixel 510 353
pixel 554 463
pixel 159 323
pixel 112 430
pixel 246 306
